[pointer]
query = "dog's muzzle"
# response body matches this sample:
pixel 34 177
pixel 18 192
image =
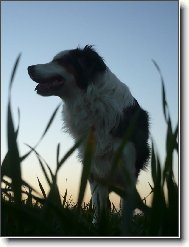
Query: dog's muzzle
pixel 47 85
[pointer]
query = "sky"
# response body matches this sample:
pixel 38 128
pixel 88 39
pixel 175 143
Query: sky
pixel 127 34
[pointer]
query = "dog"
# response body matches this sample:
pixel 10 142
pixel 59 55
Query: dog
pixel 95 98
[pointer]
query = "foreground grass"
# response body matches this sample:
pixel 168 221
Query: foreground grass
pixel 48 215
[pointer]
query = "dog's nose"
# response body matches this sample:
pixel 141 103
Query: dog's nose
pixel 31 69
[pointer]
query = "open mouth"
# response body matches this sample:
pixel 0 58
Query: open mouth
pixel 50 86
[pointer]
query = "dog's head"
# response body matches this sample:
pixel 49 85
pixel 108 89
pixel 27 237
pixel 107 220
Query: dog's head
pixel 68 72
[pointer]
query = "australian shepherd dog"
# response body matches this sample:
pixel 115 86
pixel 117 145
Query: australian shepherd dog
pixel 95 98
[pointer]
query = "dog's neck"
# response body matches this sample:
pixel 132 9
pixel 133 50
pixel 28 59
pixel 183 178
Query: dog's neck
pixel 101 107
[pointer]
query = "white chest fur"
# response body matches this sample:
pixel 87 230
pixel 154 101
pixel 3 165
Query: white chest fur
pixel 101 107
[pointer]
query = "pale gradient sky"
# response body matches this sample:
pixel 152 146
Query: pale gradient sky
pixel 127 34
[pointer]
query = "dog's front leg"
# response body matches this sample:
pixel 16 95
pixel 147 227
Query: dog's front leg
pixel 129 159
pixel 99 198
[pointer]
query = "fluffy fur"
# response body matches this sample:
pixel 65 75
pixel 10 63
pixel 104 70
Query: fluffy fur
pixel 95 98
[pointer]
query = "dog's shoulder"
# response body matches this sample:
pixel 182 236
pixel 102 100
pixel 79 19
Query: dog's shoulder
pixel 132 115
pixel 134 125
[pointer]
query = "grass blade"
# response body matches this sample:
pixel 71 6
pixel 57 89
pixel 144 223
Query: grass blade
pixel 164 100
pixel 41 188
pixel 23 183
pixel 5 170
pixel 53 177
pixel 5 167
pixel 41 163
pixel 173 206
pixel 175 138
pixel 89 152
pixel 64 198
pixel 29 199
pixel 44 133
pixel 54 195
pixel 17 130
pixel 67 155
pixel 49 122
pixel 13 153
pixel 13 73
pixel 57 156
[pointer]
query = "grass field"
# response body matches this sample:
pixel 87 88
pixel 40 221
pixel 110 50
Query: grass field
pixel 27 212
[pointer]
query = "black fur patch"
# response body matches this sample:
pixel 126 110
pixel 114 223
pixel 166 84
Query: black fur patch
pixel 86 62
pixel 139 135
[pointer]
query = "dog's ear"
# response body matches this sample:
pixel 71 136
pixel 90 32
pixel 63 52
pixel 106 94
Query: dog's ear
pixel 90 64
pixel 87 64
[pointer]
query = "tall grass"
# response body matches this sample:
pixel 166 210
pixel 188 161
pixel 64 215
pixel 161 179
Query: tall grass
pixel 42 214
